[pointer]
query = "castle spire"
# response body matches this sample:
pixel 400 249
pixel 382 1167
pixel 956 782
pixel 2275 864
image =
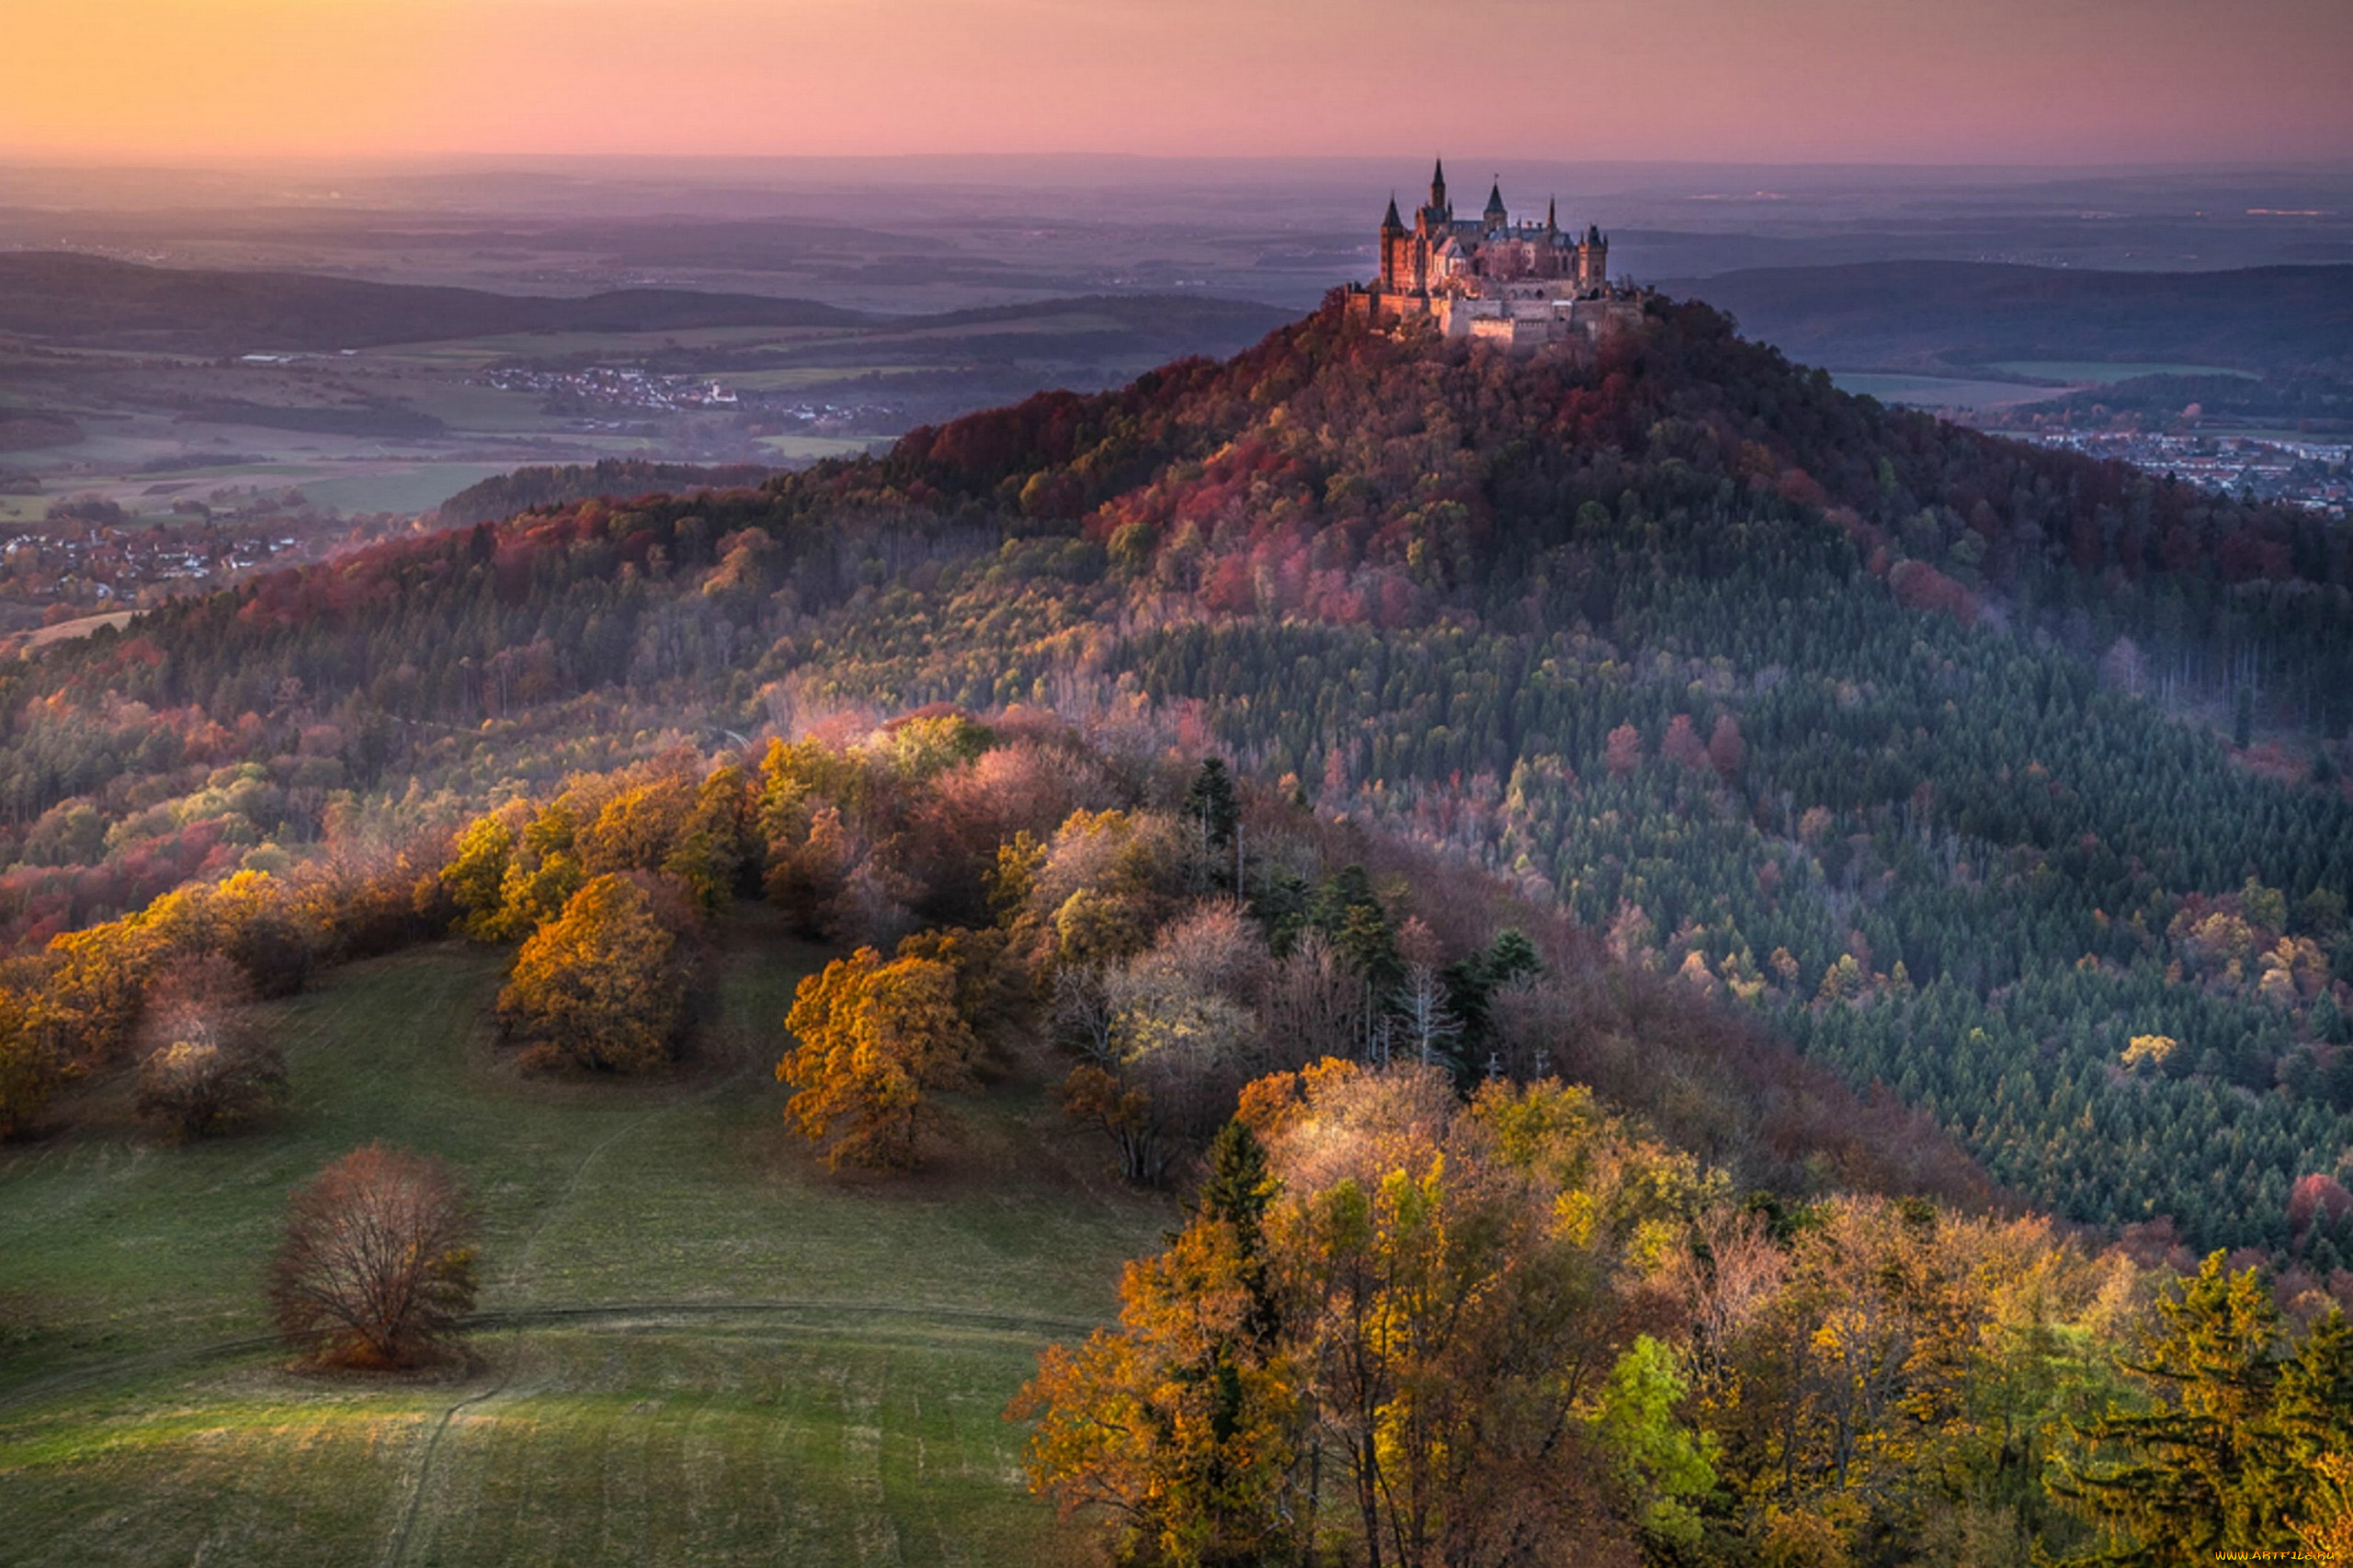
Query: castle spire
pixel 1437 186
pixel 1391 223
pixel 1496 213
pixel 1552 214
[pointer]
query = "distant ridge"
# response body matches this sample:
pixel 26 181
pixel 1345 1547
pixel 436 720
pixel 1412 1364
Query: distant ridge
pixel 94 301
pixel 1930 314
pixel 89 301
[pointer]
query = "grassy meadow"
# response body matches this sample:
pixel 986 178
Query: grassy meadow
pixel 1938 393
pixel 696 1346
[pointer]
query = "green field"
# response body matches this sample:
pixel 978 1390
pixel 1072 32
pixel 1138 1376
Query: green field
pixel 798 449
pixel 1937 392
pixel 696 1346
pixel 407 490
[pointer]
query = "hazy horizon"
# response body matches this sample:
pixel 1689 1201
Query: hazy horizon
pixel 1999 83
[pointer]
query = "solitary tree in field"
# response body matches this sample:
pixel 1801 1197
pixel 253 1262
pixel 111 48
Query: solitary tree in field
pixel 377 1266
pixel 875 1038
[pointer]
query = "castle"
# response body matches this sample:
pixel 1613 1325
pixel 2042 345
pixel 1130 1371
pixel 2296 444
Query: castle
pixel 1487 278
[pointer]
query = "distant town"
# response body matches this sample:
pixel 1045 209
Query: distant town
pixel 609 390
pixel 2311 473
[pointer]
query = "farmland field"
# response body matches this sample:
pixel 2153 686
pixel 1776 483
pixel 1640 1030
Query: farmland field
pixel 1938 391
pixel 696 1346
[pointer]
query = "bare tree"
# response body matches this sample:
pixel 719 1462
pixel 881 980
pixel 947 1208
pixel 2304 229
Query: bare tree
pixel 1314 1007
pixel 377 1266
pixel 1427 1024
pixel 202 1065
pixel 1080 1013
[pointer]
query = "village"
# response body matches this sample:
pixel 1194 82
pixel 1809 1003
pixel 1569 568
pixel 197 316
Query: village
pixel 2311 473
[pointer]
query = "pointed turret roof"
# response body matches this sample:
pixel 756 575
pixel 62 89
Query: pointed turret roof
pixel 1551 212
pixel 1391 223
pixel 1495 199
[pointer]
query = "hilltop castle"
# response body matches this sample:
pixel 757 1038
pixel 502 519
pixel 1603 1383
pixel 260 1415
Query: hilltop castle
pixel 1487 278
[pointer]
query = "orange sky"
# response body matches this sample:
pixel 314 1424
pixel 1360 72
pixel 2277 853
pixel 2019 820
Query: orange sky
pixel 2032 81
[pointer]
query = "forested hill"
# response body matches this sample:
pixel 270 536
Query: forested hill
pixel 1829 708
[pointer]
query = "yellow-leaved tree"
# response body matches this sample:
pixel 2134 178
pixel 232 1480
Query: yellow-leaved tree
pixel 596 987
pixel 876 1038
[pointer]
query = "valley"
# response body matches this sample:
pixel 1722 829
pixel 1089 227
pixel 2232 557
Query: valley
pixel 1375 934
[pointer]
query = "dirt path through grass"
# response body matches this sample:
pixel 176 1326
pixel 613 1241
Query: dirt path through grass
pixel 700 1347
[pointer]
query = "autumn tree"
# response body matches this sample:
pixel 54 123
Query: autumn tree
pixel 635 826
pixel 1387 1331
pixel 203 1065
pixel 1682 745
pixel 2326 1532
pixel 1167 1038
pixel 377 1266
pixel 1313 1007
pixel 1727 750
pixel 597 987
pixel 1427 1027
pixel 1181 1426
pixel 2225 1460
pixel 475 876
pixel 30 1066
pixel 711 854
pixel 876 1039
pixel 1100 886
pixel 1623 752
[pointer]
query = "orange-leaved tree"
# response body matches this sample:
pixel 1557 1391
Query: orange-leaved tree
pixel 876 1037
pixel 596 987
pixel 30 1066
pixel 1183 1423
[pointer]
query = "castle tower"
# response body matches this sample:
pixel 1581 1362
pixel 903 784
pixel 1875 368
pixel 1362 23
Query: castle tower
pixel 1495 217
pixel 1593 260
pixel 1438 189
pixel 1392 247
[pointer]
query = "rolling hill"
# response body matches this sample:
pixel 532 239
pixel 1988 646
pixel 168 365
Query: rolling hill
pixel 1856 718
pixel 1949 314
pixel 2003 786
pixel 92 301
pixel 88 301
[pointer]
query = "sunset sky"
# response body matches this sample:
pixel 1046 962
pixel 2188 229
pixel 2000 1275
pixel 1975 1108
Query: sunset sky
pixel 1944 81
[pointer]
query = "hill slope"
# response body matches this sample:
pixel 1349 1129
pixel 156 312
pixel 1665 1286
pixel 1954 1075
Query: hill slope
pixel 1948 314
pixel 696 1345
pixel 1832 711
